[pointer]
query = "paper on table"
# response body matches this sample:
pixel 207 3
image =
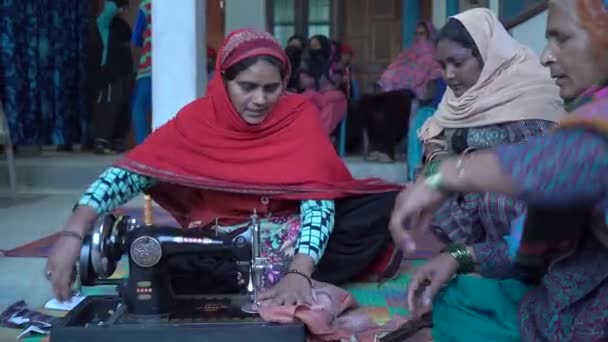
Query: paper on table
pixel 54 304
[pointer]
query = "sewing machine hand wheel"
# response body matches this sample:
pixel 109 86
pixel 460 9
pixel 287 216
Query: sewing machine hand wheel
pixel 102 250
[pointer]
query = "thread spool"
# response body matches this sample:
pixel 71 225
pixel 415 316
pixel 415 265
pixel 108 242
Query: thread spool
pixel 147 210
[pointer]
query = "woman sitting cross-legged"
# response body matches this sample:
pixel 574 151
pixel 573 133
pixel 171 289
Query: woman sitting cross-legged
pixel 248 145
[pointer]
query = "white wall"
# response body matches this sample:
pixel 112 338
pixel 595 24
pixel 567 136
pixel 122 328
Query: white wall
pixel 245 14
pixel 494 6
pixel 179 66
pixel 532 32
pixel 439 13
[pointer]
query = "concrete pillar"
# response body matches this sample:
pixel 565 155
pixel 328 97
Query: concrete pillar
pixel 439 13
pixel 245 14
pixel 452 7
pixel 494 6
pixel 410 18
pixel 179 53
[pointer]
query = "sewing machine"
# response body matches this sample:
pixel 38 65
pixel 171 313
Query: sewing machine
pixel 147 308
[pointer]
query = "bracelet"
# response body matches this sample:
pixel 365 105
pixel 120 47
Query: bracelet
pixel 431 167
pixel 71 234
pixel 463 257
pixel 435 182
pixel 435 179
pixel 300 274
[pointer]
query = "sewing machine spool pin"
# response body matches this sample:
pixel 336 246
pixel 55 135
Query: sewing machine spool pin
pixel 258 265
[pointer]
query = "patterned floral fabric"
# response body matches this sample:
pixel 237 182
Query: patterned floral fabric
pixel 281 240
pixel 43 70
pixel 470 218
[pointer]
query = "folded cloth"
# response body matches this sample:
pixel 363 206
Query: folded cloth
pixel 19 316
pixel 334 316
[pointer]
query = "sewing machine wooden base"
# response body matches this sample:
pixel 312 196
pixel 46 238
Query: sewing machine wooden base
pixel 196 319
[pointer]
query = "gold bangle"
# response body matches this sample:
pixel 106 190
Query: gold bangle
pixel 463 257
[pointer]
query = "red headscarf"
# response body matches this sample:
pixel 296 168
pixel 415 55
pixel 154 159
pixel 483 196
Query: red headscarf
pixel 347 49
pixel 207 156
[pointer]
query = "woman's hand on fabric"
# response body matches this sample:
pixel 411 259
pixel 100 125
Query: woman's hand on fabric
pixel 60 266
pixel 427 281
pixel 293 289
pixel 414 209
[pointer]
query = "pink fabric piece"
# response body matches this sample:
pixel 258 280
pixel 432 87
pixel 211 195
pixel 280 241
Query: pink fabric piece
pixel 335 316
pixel 332 105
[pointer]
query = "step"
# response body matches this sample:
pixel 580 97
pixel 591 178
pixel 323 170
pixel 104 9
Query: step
pixel 54 172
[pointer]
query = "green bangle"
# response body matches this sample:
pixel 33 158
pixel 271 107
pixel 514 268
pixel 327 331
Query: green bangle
pixel 463 257
pixel 431 168
pixel 434 182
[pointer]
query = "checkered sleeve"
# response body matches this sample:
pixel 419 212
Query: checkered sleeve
pixel 113 188
pixel 317 220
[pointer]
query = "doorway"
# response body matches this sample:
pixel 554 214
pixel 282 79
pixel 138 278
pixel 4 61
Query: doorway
pixel 374 30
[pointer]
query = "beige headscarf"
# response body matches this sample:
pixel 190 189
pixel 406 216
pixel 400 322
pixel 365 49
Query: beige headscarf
pixel 513 85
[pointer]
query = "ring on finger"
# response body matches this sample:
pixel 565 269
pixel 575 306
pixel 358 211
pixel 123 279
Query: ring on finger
pixel 48 274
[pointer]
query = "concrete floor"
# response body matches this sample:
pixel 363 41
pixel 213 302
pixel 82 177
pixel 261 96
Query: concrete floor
pixel 22 222
pixel 30 217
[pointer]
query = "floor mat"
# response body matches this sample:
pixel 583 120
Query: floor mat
pixel 380 301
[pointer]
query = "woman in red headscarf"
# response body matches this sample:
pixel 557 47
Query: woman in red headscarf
pixel 248 145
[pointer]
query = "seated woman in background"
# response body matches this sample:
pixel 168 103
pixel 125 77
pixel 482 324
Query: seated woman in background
pixel 247 145
pixel 385 118
pixel 317 85
pixel 564 242
pixel 498 93
pixel 297 42
pixel 295 59
pixel 414 70
pixel 322 45
pixel 415 67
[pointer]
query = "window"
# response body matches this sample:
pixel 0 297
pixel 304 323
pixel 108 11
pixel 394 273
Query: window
pixel 513 10
pixel 284 25
pixel 303 17
pixel 319 17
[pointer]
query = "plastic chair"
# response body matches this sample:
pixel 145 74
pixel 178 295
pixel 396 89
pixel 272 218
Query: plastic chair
pixel 5 139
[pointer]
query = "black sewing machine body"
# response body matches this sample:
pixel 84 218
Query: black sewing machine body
pixel 147 307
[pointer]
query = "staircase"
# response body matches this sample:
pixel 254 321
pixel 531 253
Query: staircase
pixel 56 172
